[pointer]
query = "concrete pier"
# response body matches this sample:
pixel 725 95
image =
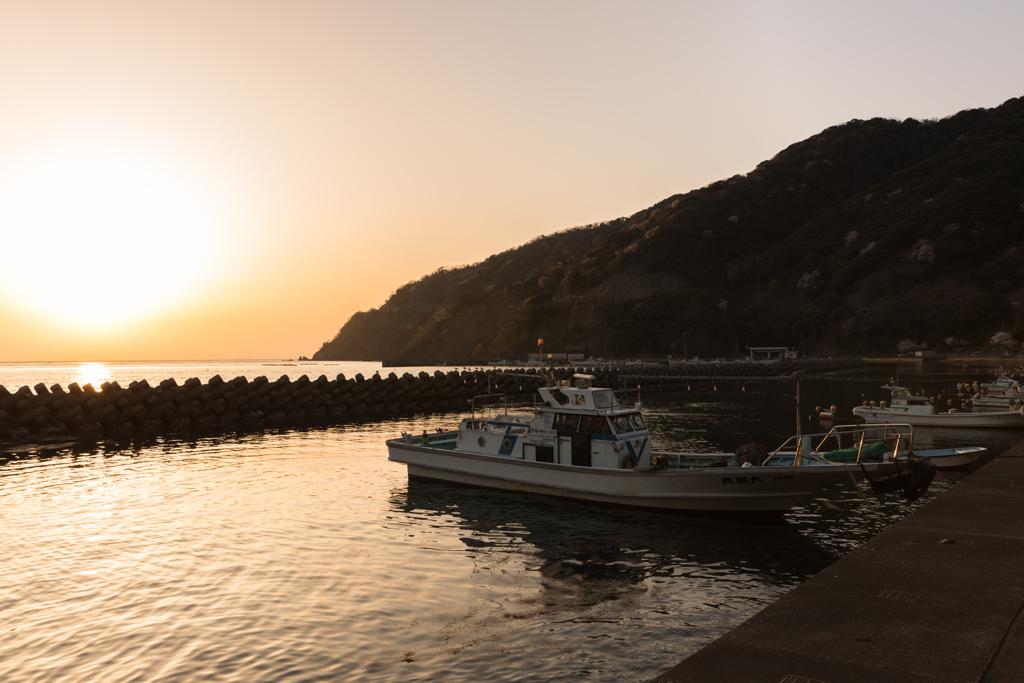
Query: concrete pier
pixel 938 596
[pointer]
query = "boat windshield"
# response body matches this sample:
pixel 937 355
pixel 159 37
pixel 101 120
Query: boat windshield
pixel 622 424
pixel 628 423
pixel 603 399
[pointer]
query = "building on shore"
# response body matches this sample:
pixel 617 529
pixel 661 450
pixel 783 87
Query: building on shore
pixel 573 352
pixel 772 353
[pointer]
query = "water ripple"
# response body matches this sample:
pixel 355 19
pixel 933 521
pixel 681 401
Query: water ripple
pixel 309 557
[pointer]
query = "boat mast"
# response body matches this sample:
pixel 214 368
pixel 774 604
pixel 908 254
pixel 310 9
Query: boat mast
pixel 799 422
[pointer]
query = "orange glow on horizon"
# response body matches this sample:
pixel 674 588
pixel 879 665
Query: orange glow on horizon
pixel 92 373
pixel 234 179
pixel 94 226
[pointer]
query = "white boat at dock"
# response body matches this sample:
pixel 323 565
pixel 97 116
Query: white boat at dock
pixel 1001 395
pixel 583 443
pixel 920 412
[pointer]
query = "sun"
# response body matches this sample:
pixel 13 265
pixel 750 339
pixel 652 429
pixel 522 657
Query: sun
pixel 100 234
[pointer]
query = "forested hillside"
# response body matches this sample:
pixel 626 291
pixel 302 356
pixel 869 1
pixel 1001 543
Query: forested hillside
pixel 865 234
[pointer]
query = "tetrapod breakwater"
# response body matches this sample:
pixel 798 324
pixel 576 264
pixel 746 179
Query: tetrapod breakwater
pixel 58 413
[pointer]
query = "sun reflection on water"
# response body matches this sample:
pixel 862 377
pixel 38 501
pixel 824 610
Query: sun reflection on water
pixel 92 373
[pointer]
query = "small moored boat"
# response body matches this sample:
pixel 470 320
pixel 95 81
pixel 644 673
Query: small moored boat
pixel 951 458
pixel 942 458
pixel 1001 395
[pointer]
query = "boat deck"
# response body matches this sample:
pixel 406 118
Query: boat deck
pixel 445 441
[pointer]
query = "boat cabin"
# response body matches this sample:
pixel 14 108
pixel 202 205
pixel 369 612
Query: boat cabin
pixel 904 401
pixel 579 425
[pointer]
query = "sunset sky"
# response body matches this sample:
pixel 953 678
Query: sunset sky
pixel 220 180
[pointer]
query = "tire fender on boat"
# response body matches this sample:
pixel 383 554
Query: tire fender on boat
pixel 920 479
pixel 754 453
pixel 627 462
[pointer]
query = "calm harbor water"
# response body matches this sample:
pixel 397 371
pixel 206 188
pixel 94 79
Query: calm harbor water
pixel 307 556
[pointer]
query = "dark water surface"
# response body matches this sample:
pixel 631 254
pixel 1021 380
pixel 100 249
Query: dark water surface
pixel 307 556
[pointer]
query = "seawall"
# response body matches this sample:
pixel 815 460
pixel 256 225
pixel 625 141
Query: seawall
pixel 57 413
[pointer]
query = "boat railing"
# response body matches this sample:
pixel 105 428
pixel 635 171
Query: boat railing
pixel 851 442
pixel 879 430
pixel 439 439
pixel 488 402
pixel 628 398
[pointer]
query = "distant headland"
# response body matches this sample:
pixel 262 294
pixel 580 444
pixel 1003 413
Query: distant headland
pixel 866 234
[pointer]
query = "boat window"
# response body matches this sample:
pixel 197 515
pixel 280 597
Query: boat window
pixel 603 399
pixel 559 396
pixel 594 424
pixel 565 422
pixel 622 424
pixel 638 421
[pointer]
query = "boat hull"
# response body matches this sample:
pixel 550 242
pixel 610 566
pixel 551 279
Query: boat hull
pixel 949 458
pixel 973 420
pixel 770 489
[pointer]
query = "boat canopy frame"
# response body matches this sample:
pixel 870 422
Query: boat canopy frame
pixel 623 397
pixel 898 433
pixel 476 403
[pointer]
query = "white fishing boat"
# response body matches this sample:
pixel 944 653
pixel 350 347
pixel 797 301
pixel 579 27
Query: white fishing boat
pixel 919 411
pixel 1001 395
pixel 583 443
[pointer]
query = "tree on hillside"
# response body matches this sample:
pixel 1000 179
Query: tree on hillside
pixel 1003 339
pixel 907 346
pixel 982 311
pixel 1018 328
pixel 956 344
pixel 512 337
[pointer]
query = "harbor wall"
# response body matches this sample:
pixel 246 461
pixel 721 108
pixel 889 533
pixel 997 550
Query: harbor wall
pixel 57 413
